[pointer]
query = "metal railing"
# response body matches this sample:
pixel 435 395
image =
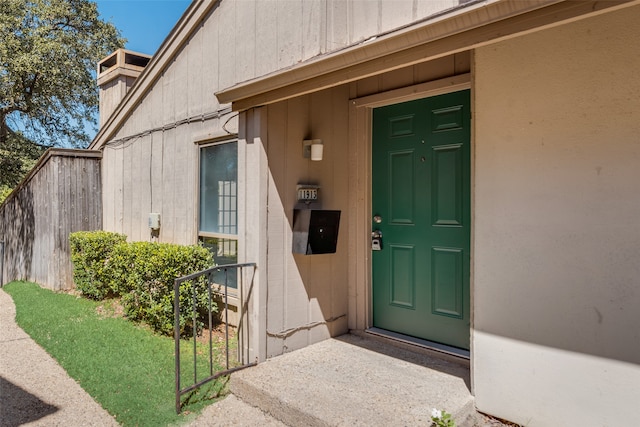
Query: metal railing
pixel 212 373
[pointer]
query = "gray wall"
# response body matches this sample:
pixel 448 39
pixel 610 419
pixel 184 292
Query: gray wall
pixel 61 195
pixel 150 164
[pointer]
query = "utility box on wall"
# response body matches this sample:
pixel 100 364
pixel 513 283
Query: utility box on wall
pixel 315 231
pixel 154 221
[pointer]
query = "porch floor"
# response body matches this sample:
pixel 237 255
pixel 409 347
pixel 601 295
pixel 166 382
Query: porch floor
pixel 357 381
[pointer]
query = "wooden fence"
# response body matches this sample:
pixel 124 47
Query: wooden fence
pixel 61 194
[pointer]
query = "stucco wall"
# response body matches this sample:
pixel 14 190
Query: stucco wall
pixel 557 279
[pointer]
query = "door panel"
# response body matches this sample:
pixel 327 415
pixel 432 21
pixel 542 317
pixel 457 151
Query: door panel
pixel 421 189
pixel 447 282
pixel 401 186
pixel 402 280
pixel 447 185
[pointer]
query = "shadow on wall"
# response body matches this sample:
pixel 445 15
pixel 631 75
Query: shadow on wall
pixel 308 294
pixel 18 217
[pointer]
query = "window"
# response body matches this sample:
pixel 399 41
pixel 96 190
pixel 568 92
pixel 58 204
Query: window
pixel 218 219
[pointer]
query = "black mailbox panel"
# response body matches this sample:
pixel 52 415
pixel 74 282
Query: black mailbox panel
pixel 315 231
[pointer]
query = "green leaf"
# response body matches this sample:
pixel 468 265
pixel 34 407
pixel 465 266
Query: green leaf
pixel 48 56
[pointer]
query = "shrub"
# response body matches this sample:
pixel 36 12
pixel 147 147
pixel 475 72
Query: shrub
pixel 90 252
pixel 143 273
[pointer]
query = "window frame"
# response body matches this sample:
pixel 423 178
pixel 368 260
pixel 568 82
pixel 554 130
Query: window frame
pixel 232 291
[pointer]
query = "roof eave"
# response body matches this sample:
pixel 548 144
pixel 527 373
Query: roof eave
pixel 477 24
pixel 183 29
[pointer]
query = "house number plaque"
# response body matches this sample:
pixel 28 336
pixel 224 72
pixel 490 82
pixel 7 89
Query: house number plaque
pixel 308 193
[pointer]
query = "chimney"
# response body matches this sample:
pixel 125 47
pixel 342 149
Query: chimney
pixel 116 74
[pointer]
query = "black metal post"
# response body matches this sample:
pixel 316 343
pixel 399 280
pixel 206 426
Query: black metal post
pixel 176 337
pixel 226 312
pixel 177 311
pixel 194 313
pixel 209 283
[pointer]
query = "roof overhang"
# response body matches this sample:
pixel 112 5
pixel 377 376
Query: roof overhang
pixel 470 25
pixel 467 27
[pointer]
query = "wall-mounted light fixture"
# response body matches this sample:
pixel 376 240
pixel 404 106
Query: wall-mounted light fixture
pixel 312 149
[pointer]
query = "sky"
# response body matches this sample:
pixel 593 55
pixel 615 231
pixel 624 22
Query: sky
pixel 144 23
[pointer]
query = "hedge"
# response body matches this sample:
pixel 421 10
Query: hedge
pixel 145 272
pixel 90 252
pixel 142 273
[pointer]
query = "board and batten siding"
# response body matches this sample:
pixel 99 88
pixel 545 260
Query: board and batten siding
pixel 60 195
pixel 151 161
pixel 309 298
pixel 269 36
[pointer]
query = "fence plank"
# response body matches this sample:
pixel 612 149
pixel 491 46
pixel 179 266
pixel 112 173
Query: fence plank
pixel 60 195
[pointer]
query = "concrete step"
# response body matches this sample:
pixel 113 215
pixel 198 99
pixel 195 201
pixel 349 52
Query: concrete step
pixel 356 381
pixel 232 411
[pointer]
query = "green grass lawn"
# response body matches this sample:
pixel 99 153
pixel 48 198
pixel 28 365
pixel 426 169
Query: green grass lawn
pixel 124 367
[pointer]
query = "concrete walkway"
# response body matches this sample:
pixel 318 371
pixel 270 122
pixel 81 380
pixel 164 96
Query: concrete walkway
pixel 346 381
pixel 34 389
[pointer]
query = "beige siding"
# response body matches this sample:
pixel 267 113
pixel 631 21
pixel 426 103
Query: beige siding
pixel 157 169
pixel 170 191
pixel 556 286
pixel 310 297
pixel 276 226
pixel 228 47
pixel 307 298
pixel 266 51
pixel 140 203
pixel 156 163
pixel 253 180
pixel 111 94
pixel 250 50
pixel 195 80
pixel 246 30
pixel 212 57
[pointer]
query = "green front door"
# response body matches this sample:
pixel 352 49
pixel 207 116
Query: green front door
pixel 421 205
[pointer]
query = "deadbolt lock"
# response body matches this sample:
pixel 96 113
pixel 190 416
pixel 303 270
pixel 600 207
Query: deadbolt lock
pixel 376 240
